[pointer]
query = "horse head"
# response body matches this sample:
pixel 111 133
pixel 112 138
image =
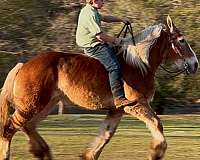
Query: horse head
pixel 180 51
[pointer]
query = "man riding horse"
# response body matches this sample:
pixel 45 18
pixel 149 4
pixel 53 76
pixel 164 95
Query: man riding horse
pixel 90 36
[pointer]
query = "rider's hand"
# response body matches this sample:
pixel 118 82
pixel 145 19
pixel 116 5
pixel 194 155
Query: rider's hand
pixel 125 20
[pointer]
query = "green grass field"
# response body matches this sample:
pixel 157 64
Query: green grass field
pixel 68 135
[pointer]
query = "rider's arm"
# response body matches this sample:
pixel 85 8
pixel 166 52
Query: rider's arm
pixel 110 19
pixel 106 38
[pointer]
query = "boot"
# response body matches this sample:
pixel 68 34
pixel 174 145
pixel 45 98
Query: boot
pixel 122 102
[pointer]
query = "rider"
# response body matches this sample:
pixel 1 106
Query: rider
pixel 91 37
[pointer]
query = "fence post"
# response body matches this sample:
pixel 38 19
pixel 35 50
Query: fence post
pixel 60 107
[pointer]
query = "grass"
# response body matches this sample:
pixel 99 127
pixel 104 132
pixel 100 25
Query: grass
pixel 68 135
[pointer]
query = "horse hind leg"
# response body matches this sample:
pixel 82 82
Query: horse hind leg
pixel 11 127
pixel 38 147
pixel 16 122
pixel 107 130
pixel 143 112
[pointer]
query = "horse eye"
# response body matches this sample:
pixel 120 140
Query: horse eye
pixel 181 40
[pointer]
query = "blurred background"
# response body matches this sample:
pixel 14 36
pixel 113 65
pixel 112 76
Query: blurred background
pixel 32 27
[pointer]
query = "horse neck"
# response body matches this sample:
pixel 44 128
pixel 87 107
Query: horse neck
pixel 157 55
pixel 159 52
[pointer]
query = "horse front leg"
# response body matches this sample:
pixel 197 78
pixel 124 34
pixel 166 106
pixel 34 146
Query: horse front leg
pixel 107 130
pixel 144 112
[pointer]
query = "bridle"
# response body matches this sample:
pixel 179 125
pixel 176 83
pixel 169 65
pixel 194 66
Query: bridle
pixel 172 38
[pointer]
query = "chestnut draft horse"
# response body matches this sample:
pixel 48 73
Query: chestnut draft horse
pixel 36 86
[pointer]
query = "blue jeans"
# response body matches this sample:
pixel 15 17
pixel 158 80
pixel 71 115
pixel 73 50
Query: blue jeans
pixel 107 57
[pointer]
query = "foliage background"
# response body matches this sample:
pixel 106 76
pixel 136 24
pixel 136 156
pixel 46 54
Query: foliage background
pixel 31 27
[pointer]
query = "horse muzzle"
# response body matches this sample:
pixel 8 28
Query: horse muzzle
pixel 191 66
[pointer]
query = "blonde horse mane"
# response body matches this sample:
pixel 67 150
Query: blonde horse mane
pixel 138 56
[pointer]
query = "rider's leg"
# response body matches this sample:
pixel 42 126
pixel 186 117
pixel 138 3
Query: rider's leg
pixel 107 57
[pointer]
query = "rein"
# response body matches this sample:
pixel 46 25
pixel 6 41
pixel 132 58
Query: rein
pixel 176 73
pixel 128 28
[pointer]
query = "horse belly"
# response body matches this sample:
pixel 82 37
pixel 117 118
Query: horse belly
pixel 89 99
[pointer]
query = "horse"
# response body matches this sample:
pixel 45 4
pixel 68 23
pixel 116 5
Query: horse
pixel 33 88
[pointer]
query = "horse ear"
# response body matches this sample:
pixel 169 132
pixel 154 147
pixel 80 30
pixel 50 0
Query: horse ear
pixel 170 24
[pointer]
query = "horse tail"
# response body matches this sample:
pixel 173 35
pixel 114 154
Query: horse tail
pixel 6 96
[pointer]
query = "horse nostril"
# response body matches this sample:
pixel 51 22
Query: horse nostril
pixel 196 65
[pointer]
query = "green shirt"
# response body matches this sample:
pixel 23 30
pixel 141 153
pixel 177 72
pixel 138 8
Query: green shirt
pixel 89 25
